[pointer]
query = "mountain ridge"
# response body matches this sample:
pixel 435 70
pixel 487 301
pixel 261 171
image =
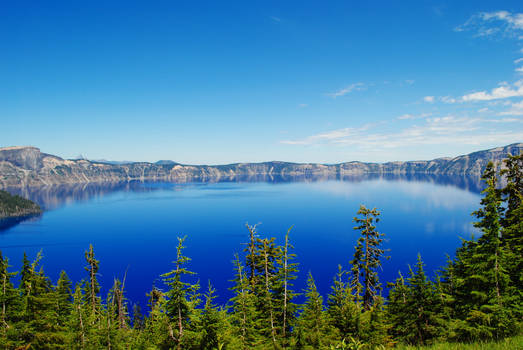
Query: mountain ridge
pixel 28 166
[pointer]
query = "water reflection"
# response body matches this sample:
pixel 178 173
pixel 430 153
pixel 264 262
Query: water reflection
pixel 55 196
pixel 7 223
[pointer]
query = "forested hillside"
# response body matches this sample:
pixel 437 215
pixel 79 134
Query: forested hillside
pixel 477 295
pixel 16 206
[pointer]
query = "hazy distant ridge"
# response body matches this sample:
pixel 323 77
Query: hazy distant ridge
pixel 27 166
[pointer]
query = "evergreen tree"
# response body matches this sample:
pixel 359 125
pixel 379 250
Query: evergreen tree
pixel 9 304
pixel 64 297
pixel 512 227
pixel 77 323
pixel 92 287
pixel 344 313
pixel 244 313
pixel 313 329
pixel 178 305
pixel 212 326
pixel 285 310
pixel 415 309
pixel 367 257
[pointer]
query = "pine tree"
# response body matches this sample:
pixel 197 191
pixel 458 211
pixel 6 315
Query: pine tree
pixel 398 312
pixel 285 310
pixel 489 260
pixel 313 329
pixel 512 227
pixel 252 257
pixel 212 326
pixel 40 326
pixel 178 305
pixel 244 313
pixel 367 257
pixel 269 253
pixel 414 309
pixel 77 323
pixel 64 297
pixel 9 304
pixel 344 313
pixel 158 332
pixel 92 287
pixel 478 278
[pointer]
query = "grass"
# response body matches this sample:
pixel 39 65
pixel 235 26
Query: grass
pixel 509 343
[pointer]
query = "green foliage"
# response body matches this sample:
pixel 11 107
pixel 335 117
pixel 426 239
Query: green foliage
pixel 13 205
pixel 367 257
pixel 415 308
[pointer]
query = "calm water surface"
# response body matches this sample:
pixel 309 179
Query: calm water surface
pixel 134 228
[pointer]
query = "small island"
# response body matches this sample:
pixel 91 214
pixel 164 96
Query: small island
pixel 12 206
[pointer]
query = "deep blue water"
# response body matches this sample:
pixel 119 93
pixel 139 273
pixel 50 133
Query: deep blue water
pixel 134 228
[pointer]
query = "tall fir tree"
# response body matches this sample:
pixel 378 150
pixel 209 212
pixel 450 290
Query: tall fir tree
pixel 179 306
pixel 92 287
pixel 285 308
pixel 344 313
pixel 367 257
pixel 313 328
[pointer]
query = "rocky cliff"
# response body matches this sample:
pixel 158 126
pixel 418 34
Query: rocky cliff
pixel 27 166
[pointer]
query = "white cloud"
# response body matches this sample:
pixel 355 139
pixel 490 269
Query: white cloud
pixel 429 99
pixel 412 116
pixel 346 90
pixel 434 131
pixel 483 110
pixel 501 92
pixel 519 70
pixel 448 99
pixel 487 24
pixel 515 109
pixel 303 105
pixel 409 81
pixel 518 60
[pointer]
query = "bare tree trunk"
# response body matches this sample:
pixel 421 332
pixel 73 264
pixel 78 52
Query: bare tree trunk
pixel 108 332
pixel 244 315
pixel 496 269
pixel 366 295
pixel 92 276
pixel 3 302
pixel 267 291
pixel 81 326
pixel 180 328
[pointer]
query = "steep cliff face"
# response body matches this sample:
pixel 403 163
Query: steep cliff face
pixel 27 166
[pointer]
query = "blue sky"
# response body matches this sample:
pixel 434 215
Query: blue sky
pixel 220 82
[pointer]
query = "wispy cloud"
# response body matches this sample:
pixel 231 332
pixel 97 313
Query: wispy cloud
pixel 515 109
pixel 414 116
pixel 275 19
pixel 303 105
pixel 429 99
pixel 434 131
pixel 347 90
pixel 487 24
pixel 501 92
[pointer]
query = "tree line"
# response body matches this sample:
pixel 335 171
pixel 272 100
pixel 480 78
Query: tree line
pixel 477 295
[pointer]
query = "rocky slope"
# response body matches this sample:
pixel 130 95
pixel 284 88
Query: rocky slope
pixel 27 166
